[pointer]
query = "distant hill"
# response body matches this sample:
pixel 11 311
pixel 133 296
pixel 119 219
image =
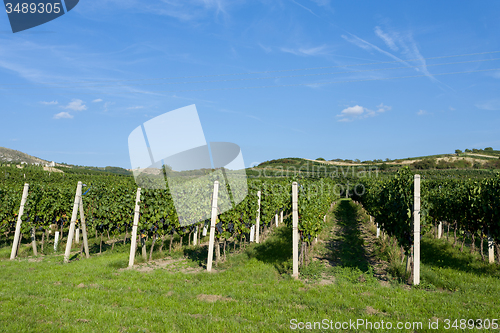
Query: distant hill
pixel 477 159
pixel 16 157
pixel 11 156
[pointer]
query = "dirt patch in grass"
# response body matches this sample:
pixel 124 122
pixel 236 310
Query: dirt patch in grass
pixel 213 298
pixel 371 311
pixel 173 265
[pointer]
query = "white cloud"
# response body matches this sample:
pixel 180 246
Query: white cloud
pixel 359 112
pixel 97 100
pixel 63 115
pixel 353 111
pixel 135 107
pixel 383 108
pixel 422 113
pixel 76 105
pixel 50 103
pixel 491 105
pixel 386 38
pixel 452 108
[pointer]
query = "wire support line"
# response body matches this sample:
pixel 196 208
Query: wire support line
pixel 277 85
pixel 258 78
pixel 258 72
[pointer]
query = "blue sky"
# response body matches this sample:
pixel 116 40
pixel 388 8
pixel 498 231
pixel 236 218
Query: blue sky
pixel 282 78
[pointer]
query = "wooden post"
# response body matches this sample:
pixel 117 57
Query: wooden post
pixel 276 219
pixel 440 230
pixel 205 227
pixel 33 241
pixel 133 239
pixel 78 197
pixel 416 231
pixel 195 236
pixel 378 231
pixel 84 229
pixel 257 222
pixel 252 233
pixel 143 247
pixel 77 236
pixel 281 217
pixel 491 253
pixel 56 240
pixel 295 231
pixel 212 227
pixel 15 246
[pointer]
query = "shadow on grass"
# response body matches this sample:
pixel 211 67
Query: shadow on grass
pixel 197 254
pixel 276 250
pixel 346 248
pixel 439 253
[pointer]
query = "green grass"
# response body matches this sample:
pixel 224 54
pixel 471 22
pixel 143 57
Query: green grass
pixel 251 292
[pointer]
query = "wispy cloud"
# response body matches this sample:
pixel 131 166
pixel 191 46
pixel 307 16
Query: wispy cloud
pixel 388 40
pixel 452 108
pixel 63 115
pixel 106 106
pixel 322 3
pixel 76 105
pixel 491 105
pixel 396 41
pixel 97 100
pixel 266 49
pixel 49 103
pixel 305 51
pixel 422 113
pixel 135 107
pixel 383 108
pixel 182 10
pixel 304 7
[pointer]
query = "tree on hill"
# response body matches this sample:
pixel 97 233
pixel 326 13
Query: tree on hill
pixel 320 159
pixel 488 149
pixel 458 151
pixel 468 151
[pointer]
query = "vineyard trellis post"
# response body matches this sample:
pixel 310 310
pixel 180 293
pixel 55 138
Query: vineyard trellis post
pixel 84 229
pixel 74 215
pixel 56 240
pixel 33 241
pixel 17 234
pixel 281 216
pixel 491 253
pixel 295 232
pixel 440 230
pixel 416 231
pixel 133 238
pixel 195 236
pixel 257 222
pixel 252 233
pixel 212 227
